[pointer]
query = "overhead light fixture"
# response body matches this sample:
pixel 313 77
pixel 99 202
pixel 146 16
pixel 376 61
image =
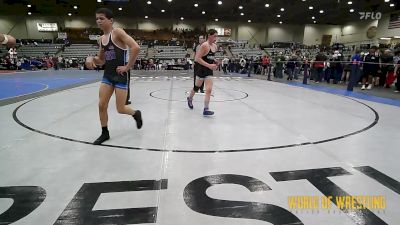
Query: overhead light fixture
pixel 219 2
pixel 280 22
pixel 249 21
pixel 169 0
pixel 98 0
pixel 182 18
pixel 310 7
pixel 349 2
pixel 75 7
pixel 387 0
pixel 267 5
pixel 240 7
pixel 385 38
pixel 278 15
pixel 315 21
pixel 313 17
pixel 304 0
pixel 119 8
pixel 282 9
pixel 195 5
pixel 216 20
pixel 391 5
pixel 162 10
pixel 148 2
pixel 69 14
pixel 351 10
pixel 321 11
pixel 146 17
pixel 242 14
pixel 29 13
pixel 396 37
pixel 204 12
pixel 29 6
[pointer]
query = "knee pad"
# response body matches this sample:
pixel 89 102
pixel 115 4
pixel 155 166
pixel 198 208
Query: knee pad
pixel 196 89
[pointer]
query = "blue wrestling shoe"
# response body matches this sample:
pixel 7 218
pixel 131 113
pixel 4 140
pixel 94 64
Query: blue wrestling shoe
pixel 207 112
pixel 190 102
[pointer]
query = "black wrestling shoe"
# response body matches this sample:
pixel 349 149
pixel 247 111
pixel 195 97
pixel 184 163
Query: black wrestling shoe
pixel 138 117
pixel 103 137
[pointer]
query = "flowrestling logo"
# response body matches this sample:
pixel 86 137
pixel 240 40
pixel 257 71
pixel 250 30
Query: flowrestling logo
pixel 370 15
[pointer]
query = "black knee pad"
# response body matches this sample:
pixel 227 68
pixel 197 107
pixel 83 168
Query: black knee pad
pixel 196 89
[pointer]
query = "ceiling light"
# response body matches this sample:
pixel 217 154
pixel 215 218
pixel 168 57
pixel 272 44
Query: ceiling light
pixel 391 5
pixel 278 15
pixel 385 38
pixel 242 14
pixel 203 12
pixel 29 13
pixel 28 6
pixel 321 11
pixel 119 8
pixel 267 5
pixel 69 14
pixel 351 10
pixel 249 21
pixel 280 22
pixel 315 21
pixel 98 0
pixel 396 37
pixel 216 20
pixel 282 9
pixel 146 17
pixel 148 2
pixel 75 7
pixel 304 0
pixel 240 7
pixel 310 7
pixel 387 0
pixel 182 18
pixel 162 10
pixel 350 2
pixel 169 0
pixel 313 17
pixel 195 5
pixel 219 2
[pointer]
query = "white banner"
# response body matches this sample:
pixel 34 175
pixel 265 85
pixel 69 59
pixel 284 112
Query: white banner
pixel 62 35
pixel 47 26
pixel 94 37
pixel 224 31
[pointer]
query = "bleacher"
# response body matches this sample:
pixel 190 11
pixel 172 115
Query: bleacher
pixel 248 52
pixel 143 51
pixel 3 50
pixel 170 52
pixel 84 50
pixel 39 50
pixel 80 50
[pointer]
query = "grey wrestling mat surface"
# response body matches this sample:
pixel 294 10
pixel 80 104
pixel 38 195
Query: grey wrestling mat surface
pixel 266 143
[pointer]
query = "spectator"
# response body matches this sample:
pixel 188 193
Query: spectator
pixel 370 68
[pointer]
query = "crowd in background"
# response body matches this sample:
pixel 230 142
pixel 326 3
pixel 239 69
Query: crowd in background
pixel 377 66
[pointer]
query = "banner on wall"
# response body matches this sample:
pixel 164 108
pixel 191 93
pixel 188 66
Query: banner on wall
pixel 224 31
pixel 47 26
pixel 62 35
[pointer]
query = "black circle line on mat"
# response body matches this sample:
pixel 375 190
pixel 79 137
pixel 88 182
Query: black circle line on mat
pixel 172 100
pixel 199 151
